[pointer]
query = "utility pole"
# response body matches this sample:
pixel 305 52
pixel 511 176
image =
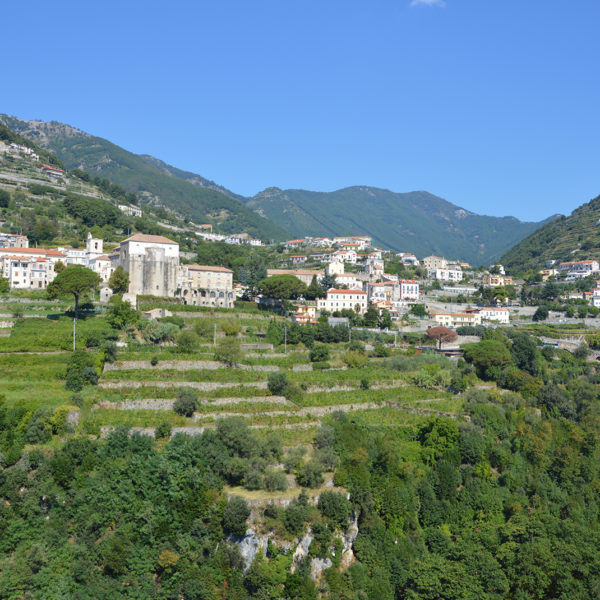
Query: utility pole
pixel 74 323
pixel 285 339
pixel 215 336
pixel 349 332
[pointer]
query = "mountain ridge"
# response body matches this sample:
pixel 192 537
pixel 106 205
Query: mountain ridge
pixel 98 156
pixel 417 222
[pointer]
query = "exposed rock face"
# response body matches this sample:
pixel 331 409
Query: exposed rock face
pixel 301 551
pixel 250 545
pixel 347 540
pixel 318 565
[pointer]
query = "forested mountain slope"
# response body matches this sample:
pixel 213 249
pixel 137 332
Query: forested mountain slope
pixel 153 183
pixel 576 237
pixel 417 222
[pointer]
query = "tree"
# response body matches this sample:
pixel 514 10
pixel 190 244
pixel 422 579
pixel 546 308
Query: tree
pixel 234 516
pixel 76 280
pixel 385 320
pixel 371 317
pixel 4 285
pixel 121 314
pixel 314 290
pixel 119 281
pixel 541 314
pixel 442 335
pixel 4 199
pixel 319 353
pixel 487 354
pixel 228 351
pixel 59 266
pixel 418 310
pixel 282 287
pixel 186 402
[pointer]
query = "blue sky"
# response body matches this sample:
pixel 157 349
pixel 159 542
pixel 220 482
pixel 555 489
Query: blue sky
pixel 491 104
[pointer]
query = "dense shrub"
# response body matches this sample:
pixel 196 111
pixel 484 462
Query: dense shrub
pixel 235 515
pixel 186 402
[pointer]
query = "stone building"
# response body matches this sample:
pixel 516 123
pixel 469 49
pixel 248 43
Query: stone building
pixel 151 261
pixel 204 285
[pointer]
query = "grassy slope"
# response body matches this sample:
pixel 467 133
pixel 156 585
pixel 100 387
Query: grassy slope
pixel 101 157
pixel 575 237
pixel 415 222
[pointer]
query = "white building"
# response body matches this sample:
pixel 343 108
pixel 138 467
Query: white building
pixel 12 240
pixel 490 313
pixel 578 269
pixel 335 268
pixel 130 211
pixel 364 242
pixel 456 319
pixel 152 262
pixel 409 289
pixel 341 299
pixel 75 256
pixel 446 274
pixel 102 265
pixel 346 256
pixel 29 268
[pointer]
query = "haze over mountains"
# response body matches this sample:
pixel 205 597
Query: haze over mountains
pixel 417 222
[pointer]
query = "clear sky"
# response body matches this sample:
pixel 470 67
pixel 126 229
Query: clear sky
pixel 491 104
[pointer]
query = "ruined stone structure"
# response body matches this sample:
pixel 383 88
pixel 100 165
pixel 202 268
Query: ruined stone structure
pixel 152 262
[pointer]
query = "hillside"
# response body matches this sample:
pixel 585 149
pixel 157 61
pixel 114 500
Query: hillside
pixel 575 237
pixel 152 182
pixel 416 222
pixel 55 211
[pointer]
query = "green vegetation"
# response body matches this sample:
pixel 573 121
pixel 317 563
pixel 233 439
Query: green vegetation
pixel 558 240
pixel 477 239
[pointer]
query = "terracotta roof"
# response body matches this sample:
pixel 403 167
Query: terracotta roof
pixel 407 281
pixel 208 268
pixel 31 251
pixel 52 168
pixel 271 272
pixel 154 239
pixel 103 257
pixel 334 291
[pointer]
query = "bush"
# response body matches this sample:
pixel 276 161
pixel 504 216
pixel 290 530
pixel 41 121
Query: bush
pixel 186 341
pixel 335 508
pixel 541 314
pixel 154 360
pixel 277 383
pixel 231 327
pixel 186 402
pixel 355 360
pixel 163 430
pixel 80 371
pixel 228 351
pixel 235 515
pixel 319 353
pixel 93 339
pixel 365 383
pixel 110 352
pixel 321 366
pixel 275 480
pixel 310 475
pixel 381 351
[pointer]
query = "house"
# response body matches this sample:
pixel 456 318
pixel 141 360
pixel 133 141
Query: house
pixel 578 269
pixel 13 240
pixel 456 319
pixel 305 314
pixel 491 313
pixel 152 263
pixel 409 289
pixel 130 211
pixel 294 243
pixel 334 268
pixel 446 274
pixel 102 265
pixel 349 256
pixel 364 241
pixel 304 275
pixel 595 297
pixel 349 280
pixel 341 299
pixel 435 262
pixel 74 256
pixel 29 268
pixel 298 259
pixel 205 285
pixel 490 280
pixel 53 172
pixel 157 313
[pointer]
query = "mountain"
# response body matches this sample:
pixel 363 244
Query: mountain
pixel 576 237
pixel 152 180
pixel 416 222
